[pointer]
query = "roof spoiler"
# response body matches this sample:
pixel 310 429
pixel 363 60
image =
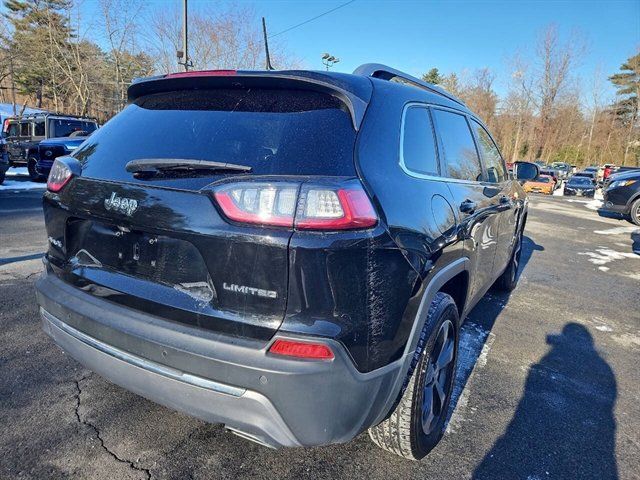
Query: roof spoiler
pixel 377 70
pixel 246 79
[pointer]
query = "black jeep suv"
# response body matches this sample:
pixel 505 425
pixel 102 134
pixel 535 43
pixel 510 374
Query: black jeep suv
pixel 23 134
pixel 288 253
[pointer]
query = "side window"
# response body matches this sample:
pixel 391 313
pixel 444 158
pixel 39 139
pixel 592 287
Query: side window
pixel 457 146
pixel 24 129
pixel 496 172
pixel 13 130
pixel 418 144
pixel 38 129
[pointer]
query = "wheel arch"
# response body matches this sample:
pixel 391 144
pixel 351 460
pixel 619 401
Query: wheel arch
pixel 445 280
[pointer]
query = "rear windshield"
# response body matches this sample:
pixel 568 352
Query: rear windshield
pixel 544 179
pixel 278 132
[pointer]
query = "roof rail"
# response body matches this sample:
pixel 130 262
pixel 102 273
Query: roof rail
pixel 377 70
pixel 50 114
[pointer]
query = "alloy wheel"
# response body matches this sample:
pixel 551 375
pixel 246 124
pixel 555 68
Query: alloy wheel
pixel 440 371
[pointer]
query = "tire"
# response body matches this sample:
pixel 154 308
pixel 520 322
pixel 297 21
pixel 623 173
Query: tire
pixel 634 212
pixel 509 278
pixel 411 431
pixel 33 173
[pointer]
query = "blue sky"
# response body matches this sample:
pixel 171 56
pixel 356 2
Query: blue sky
pixel 453 36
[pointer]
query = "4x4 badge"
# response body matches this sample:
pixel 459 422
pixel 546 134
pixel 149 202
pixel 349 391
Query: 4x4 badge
pixel 120 204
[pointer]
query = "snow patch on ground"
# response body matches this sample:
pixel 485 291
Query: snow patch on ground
pixel 617 230
pixel 594 204
pixel 18 172
pixel 603 269
pixel 473 350
pixel 16 185
pixel 604 328
pixel 604 255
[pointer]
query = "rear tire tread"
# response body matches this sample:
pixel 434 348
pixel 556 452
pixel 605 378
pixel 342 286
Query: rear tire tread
pixel 394 433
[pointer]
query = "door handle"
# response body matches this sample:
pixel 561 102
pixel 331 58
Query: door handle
pixel 468 206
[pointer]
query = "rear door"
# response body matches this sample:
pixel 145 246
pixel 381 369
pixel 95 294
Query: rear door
pixel 477 203
pixel 500 186
pixel 160 243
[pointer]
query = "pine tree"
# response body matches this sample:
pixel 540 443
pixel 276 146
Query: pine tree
pixel 627 83
pixel 432 76
pixel 41 34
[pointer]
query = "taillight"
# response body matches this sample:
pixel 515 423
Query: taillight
pixel 259 203
pixel 290 348
pixel 59 175
pixel 310 206
pixel 335 209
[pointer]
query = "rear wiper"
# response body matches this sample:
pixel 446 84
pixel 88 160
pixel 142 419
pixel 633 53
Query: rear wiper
pixel 154 165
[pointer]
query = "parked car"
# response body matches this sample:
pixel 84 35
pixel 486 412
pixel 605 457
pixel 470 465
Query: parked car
pixel 623 169
pixel 24 133
pixel 553 173
pixel 622 196
pixel 597 171
pixel 588 174
pixel 543 184
pixel 564 169
pixel 281 262
pixel 49 150
pixel 580 186
pixel 4 159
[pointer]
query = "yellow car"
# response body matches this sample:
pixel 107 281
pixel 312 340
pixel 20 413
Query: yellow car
pixel 543 184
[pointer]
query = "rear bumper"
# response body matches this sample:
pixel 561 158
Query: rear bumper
pixel 275 401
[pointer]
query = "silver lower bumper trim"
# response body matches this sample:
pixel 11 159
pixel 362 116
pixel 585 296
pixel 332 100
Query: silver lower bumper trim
pixel 143 363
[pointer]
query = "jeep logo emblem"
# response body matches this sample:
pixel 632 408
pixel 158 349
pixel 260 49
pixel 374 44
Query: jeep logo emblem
pixel 48 153
pixel 121 204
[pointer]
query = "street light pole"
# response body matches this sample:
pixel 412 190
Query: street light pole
pixel 185 36
pixel 329 60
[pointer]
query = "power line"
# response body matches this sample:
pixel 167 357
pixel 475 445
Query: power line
pixel 312 19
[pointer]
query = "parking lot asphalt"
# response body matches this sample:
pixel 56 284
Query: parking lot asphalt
pixel 548 384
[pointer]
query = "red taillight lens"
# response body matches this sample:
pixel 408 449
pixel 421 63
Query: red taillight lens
pixel 59 175
pixel 289 348
pixel 336 206
pixel 259 203
pixel 335 209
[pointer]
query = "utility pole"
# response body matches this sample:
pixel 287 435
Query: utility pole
pixel 184 53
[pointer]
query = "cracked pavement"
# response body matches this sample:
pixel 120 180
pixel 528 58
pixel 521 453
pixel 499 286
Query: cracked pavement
pixel 548 385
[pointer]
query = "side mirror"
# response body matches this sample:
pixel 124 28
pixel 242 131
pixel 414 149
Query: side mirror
pixel 525 171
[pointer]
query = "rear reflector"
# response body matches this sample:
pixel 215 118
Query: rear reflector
pixel 307 206
pixel 202 73
pixel 289 348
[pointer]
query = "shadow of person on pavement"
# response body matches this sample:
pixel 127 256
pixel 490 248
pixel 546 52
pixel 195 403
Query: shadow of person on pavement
pixel 476 329
pixel 564 425
pixel 635 238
